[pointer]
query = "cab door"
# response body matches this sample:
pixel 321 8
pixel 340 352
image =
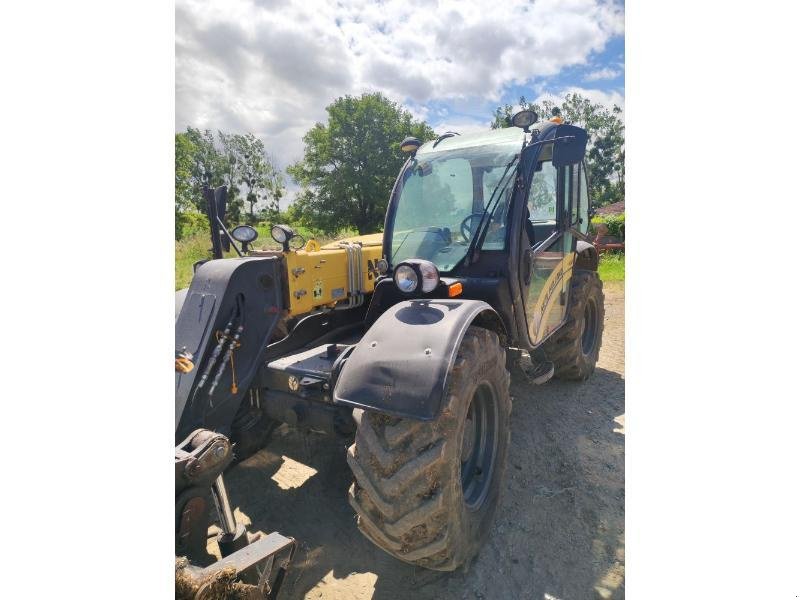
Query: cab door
pixel 550 255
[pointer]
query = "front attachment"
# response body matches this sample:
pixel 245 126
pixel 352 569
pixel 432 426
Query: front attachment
pixel 252 565
pixel 255 572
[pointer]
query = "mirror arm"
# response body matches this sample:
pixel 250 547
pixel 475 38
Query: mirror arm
pixel 539 247
pixel 579 235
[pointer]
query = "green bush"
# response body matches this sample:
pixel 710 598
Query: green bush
pixel 189 223
pixel 615 224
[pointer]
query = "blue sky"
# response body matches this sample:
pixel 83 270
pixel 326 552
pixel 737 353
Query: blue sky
pixel 270 67
pixel 602 78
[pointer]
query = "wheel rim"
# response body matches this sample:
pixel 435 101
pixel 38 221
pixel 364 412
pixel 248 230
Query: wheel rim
pixel 589 328
pixel 479 447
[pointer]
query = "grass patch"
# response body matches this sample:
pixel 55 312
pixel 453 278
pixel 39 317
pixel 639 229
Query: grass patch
pixel 612 266
pixel 187 252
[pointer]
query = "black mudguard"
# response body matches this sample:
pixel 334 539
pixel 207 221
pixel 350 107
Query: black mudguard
pixel 180 298
pixel 204 311
pixel 588 259
pixel 401 364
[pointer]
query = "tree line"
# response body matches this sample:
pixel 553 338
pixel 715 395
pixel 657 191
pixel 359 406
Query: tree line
pixel 350 163
pixel 240 162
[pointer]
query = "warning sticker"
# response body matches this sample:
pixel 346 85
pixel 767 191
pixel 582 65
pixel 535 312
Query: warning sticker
pixel 317 289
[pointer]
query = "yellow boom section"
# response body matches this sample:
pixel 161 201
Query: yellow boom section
pixel 338 273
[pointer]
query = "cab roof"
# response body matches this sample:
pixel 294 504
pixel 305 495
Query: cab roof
pixel 508 135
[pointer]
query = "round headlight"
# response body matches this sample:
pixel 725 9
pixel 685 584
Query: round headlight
pixel 430 276
pixel 405 278
pixel 244 234
pixel 282 233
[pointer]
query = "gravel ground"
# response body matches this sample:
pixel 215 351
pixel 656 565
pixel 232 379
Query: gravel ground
pixel 559 531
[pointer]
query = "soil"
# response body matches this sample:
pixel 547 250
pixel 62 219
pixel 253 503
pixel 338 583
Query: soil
pixel 559 530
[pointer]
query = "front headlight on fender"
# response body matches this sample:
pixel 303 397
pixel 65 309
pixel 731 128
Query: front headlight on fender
pixel 430 276
pixel 413 274
pixel 406 279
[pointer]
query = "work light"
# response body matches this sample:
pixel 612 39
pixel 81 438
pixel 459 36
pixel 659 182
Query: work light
pixel 410 144
pixel 282 234
pixel 244 234
pixel 524 119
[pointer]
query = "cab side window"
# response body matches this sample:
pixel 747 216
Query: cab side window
pixel 574 196
pixel 578 197
pixel 542 200
pixel 583 202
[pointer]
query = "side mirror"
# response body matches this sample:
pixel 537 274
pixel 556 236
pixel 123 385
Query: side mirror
pixel 569 146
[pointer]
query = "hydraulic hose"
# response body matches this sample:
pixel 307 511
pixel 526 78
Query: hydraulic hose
pixel 234 343
pixel 218 348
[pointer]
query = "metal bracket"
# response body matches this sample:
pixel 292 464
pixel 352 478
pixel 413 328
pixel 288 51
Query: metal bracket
pixel 257 563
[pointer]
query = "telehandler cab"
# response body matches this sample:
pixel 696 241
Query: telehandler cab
pixel 399 341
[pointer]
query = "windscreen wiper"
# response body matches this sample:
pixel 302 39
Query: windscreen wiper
pixel 483 223
pixel 445 136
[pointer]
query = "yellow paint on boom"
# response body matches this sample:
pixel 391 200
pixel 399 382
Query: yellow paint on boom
pixel 322 277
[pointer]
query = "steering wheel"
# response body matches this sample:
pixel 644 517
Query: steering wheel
pixel 466 225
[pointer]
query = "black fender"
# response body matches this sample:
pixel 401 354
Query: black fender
pixel 588 259
pixel 180 298
pixel 401 364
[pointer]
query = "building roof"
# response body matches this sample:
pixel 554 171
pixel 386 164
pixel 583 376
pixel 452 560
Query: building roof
pixel 616 208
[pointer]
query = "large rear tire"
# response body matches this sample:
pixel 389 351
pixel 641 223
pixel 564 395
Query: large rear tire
pixel 575 347
pixel 426 492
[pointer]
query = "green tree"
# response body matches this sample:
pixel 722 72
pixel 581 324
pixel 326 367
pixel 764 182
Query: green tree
pixel 207 164
pixel 184 153
pixel 237 161
pixel 276 187
pixel 212 167
pixel 605 155
pixel 350 163
pixel 253 175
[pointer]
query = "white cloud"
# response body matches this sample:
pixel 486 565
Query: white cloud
pixel 607 98
pixel 604 73
pixel 271 66
pixel 461 125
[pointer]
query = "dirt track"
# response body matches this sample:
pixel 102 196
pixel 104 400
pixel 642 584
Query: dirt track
pixel 559 531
